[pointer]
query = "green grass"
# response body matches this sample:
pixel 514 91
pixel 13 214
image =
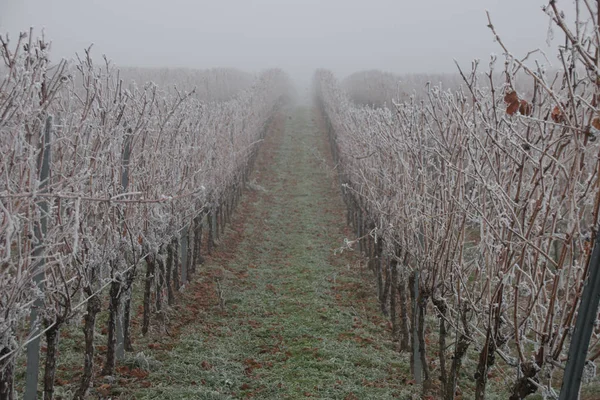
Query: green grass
pixel 297 322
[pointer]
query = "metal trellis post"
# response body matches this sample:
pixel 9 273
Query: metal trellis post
pixel 584 326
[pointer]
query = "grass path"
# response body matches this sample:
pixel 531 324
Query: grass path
pixel 297 320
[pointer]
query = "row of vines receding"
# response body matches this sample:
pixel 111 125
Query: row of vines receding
pixel 478 209
pixel 103 181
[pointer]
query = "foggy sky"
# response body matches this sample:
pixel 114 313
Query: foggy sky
pixel 296 35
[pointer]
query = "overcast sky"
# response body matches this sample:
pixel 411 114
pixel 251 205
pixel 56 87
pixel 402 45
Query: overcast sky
pixel 296 35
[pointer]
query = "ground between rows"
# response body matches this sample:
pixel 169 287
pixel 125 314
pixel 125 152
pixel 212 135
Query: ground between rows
pixel 276 312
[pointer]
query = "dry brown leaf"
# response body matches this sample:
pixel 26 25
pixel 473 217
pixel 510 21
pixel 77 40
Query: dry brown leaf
pixel 512 108
pixel 510 97
pixel 525 108
pixel 557 115
pixel 139 373
pixel 512 102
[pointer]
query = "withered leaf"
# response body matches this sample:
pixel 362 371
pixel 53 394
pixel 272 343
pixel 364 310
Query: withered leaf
pixel 512 101
pixel 525 108
pixel 510 97
pixel 557 115
pixel 512 108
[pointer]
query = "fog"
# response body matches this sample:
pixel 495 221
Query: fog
pixel 297 35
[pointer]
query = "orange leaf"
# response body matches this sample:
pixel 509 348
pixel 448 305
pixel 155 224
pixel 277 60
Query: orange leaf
pixel 596 123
